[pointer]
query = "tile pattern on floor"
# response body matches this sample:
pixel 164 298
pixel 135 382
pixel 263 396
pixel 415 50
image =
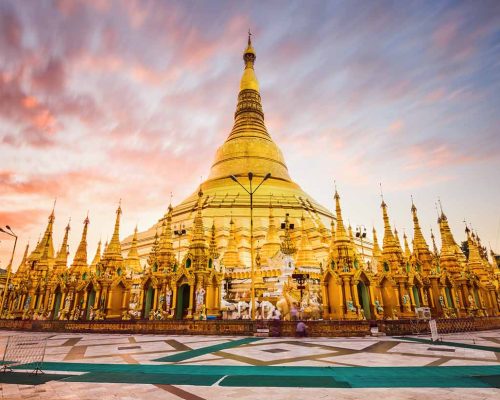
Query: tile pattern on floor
pixel 286 352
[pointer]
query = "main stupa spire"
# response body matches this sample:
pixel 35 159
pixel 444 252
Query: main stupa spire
pixel 249 147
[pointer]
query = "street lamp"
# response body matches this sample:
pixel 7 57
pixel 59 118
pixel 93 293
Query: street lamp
pixel 251 192
pixel 9 268
pixel 179 232
pixel 301 279
pixel 361 234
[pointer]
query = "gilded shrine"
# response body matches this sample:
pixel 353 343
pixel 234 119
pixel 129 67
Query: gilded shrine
pixel 196 261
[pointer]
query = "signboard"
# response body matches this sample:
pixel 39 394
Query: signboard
pixel 434 330
pixel 423 313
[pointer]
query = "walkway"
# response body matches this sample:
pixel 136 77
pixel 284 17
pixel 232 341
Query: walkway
pixel 189 367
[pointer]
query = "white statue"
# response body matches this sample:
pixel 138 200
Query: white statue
pixel 168 298
pixel 200 297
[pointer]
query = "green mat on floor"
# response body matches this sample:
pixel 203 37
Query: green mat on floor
pixel 186 355
pixel 283 381
pixel 481 376
pixel 25 378
pixel 453 344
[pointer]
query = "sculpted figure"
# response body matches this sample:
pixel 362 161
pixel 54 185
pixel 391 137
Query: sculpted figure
pixel 168 298
pixel 200 297
pixel 472 302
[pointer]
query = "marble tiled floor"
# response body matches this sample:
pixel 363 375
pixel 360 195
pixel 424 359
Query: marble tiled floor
pixel 286 352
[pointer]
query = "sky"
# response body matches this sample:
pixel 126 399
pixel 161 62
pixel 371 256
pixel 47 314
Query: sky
pixel 107 100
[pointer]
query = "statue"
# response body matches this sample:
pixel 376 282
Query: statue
pixel 350 306
pixel 27 302
pixel 200 297
pixel 378 307
pixel 472 302
pixel 125 315
pixel 285 303
pixel 168 298
pixel 406 302
pixel 441 301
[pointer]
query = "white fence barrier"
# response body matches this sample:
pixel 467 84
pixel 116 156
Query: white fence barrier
pixel 22 349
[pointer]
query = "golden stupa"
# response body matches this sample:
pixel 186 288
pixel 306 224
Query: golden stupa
pixel 206 271
pixel 248 148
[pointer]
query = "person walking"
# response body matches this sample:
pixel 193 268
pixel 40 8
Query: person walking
pixel 301 330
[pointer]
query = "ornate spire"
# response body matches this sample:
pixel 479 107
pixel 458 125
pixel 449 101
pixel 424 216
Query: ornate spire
pixel 45 247
pixel 340 234
pixel 434 247
pixel 287 246
pixel 97 257
pixel 80 259
pixel 62 256
pixel 153 254
pixel 133 263
pixel 199 231
pixel 114 249
pixel 25 258
pixel 396 240
pixel 418 237
pixel 392 255
pixel 451 256
pixel 407 252
pixel 231 255
pixel 198 249
pixel 249 80
pixel 272 245
pixel 166 255
pixel 475 263
pixel 376 253
pixel 376 248
pixel 421 250
pixel 332 230
pixel 212 247
pixel 305 254
pixel 388 236
pixel 241 152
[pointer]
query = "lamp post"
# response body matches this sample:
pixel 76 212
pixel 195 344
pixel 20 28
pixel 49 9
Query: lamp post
pixel 9 268
pixel 252 272
pixel 179 232
pixel 361 234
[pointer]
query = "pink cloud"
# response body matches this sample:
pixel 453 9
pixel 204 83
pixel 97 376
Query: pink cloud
pixel 51 78
pixel 446 33
pixel 10 30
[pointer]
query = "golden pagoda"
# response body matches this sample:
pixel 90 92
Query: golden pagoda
pixel 207 271
pixel 248 148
